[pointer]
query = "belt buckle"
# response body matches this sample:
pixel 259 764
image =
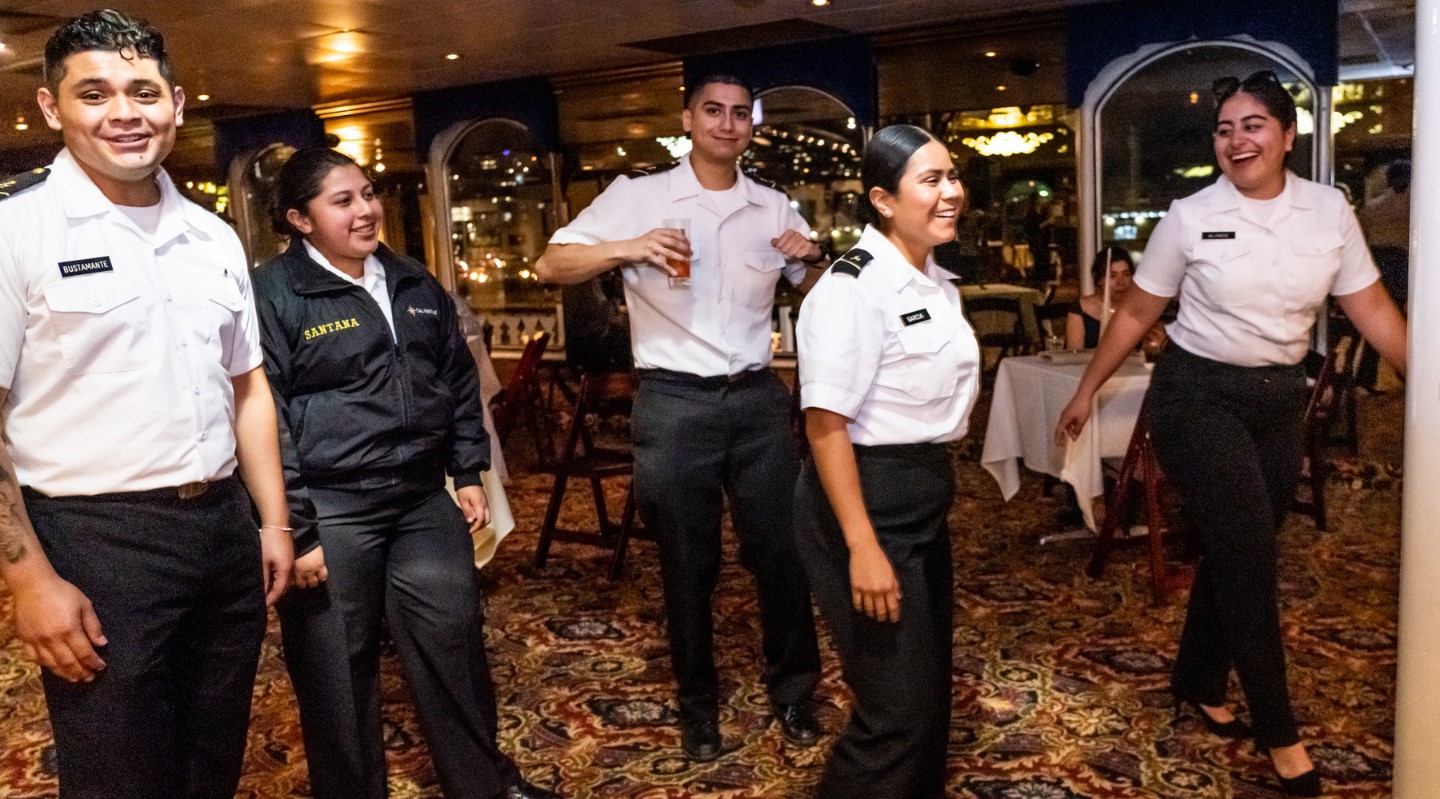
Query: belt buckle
pixel 192 490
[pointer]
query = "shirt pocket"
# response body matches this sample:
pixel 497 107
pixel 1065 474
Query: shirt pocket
pixel 1315 262
pixel 101 324
pixel 1226 272
pixel 225 306
pixel 756 284
pixel 926 368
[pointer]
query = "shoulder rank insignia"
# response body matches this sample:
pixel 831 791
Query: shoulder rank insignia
pixel 18 183
pixel 769 184
pixel 653 169
pixel 852 262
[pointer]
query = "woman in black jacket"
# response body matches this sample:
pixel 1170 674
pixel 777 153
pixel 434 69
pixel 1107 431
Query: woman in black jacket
pixel 379 400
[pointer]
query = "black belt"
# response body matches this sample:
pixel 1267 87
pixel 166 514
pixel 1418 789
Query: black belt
pixel 699 381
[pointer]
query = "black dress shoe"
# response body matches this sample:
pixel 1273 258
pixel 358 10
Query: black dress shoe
pixel 700 738
pixel 524 790
pixel 798 724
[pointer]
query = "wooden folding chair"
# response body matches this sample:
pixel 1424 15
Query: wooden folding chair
pixel 1011 341
pixel 583 459
pixel 520 401
pixel 1139 469
pixel 1344 340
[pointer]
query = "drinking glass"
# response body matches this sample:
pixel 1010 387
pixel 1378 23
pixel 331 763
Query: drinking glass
pixel 681 278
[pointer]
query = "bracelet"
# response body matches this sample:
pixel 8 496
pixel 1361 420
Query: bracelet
pixel 277 527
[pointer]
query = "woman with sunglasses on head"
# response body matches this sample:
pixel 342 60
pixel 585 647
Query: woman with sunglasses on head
pixel 1253 259
pixel 378 399
pixel 889 372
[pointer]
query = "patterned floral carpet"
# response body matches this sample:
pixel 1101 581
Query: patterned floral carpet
pixel 1060 680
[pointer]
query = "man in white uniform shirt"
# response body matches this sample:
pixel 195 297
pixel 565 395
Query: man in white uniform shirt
pixel 710 419
pixel 129 360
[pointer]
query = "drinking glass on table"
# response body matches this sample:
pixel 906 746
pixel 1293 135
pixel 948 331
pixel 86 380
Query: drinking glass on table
pixel 681 278
pixel 1054 343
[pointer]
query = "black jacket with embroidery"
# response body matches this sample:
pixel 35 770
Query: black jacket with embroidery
pixel 353 402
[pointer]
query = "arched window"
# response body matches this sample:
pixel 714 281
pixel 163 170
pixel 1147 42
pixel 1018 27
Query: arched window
pixel 1152 116
pixel 497 208
pixel 252 181
pixel 809 144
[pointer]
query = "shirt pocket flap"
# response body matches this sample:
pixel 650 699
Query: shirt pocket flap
pixel 227 295
pixel 924 338
pixel 764 260
pixel 1318 244
pixel 89 295
pixel 1220 251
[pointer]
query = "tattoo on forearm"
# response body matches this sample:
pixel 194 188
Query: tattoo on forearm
pixel 12 519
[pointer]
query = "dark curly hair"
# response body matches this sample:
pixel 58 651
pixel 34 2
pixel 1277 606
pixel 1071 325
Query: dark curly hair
pixel 298 182
pixel 109 31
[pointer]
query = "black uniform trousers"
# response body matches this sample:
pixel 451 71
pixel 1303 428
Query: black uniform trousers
pixel 177 587
pixel 894 745
pixel 402 553
pixel 696 441
pixel 1228 437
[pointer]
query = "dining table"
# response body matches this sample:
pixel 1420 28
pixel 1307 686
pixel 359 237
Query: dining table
pixel 1030 392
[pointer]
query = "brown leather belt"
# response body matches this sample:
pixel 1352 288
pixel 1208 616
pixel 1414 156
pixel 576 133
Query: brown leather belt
pixel 192 490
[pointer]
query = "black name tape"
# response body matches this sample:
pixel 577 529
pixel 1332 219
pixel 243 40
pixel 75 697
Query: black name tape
pixel 915 317
pixel 1217 234
pixel 88 266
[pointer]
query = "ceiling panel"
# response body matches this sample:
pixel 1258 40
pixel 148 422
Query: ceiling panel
pixel 296 53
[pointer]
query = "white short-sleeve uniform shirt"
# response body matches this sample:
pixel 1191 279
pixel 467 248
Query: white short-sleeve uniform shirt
pixel 889 350
pixel 117 346
pixel 721 324
pixel 1250 287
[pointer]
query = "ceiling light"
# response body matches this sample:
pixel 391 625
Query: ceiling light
pixel 452 56
pixel 1008 142
pixel 202 97
pixel 1000 88
pixel 819 3
pixel 20 123
pixel 990 54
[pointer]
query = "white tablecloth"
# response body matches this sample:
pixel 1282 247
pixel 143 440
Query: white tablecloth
pixel 1030 393
pixel 1028 298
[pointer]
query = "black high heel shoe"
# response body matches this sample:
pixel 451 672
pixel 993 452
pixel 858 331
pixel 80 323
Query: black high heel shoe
pixel 1307 784
pixel 1234 728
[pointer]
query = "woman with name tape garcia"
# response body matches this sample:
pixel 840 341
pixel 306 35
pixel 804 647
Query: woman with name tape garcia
pixel 889 372
pixel 379 399
pixel 1253 258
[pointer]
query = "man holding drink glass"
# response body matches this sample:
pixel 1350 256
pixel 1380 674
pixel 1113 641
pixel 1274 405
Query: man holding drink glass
pixel 701 247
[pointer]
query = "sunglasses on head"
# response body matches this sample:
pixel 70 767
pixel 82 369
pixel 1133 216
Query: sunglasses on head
pixel 1224 87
